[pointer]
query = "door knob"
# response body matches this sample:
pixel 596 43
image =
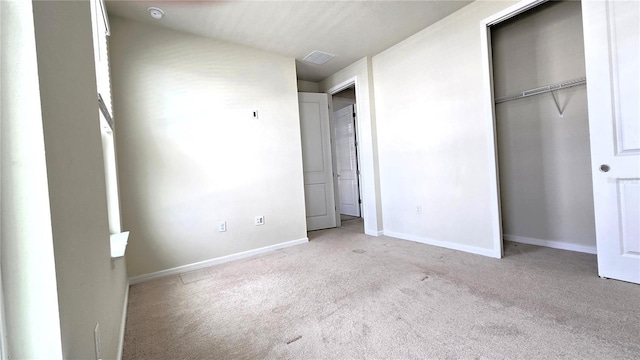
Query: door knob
pixel 604 168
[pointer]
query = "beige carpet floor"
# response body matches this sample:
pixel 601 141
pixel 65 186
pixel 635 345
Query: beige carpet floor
pixel 345 295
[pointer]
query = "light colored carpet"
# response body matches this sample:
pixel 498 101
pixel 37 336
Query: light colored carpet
pixel 346 218
pixel 346 295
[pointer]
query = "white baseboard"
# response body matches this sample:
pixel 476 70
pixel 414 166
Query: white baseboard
pixel 374 233
pixel 215 261
pixel 494 253
pixel 123 322
pixel 550 243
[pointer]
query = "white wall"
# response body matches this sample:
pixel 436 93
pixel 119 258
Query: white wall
pixel 308 86
pixel 544 160
pixel 91 287
pixel 189 153
pixel 432 134
pixel 27 258
pixel 361 73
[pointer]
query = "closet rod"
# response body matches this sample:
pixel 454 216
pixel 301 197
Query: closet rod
pixel 542 90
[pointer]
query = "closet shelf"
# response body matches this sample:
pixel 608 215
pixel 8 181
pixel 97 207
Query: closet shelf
pixel 543 90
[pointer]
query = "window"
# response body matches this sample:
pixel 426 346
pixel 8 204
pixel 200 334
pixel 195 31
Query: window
pixel 101 31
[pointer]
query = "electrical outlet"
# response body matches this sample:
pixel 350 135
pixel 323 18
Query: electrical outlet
pixel 418 209
pixel 96 338
pixel 259 220
pixel 222 226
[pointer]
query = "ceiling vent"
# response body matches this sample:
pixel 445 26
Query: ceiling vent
pixel 318 57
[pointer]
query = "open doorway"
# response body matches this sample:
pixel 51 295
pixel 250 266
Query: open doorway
pixel 344 136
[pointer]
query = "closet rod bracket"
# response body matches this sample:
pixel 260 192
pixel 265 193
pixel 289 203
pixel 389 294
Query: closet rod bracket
pixel 555 100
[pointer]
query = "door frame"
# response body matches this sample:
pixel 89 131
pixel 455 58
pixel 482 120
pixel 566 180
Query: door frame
pixel 353 81
pixel 489 115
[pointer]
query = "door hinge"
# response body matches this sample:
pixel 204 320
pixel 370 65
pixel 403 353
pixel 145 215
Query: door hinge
pixel 357 172
pixel 359 201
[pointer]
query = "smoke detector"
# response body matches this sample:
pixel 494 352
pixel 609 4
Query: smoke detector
pixel 155 12
pixel 318 57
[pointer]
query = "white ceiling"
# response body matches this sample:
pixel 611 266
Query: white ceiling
pixel 348 29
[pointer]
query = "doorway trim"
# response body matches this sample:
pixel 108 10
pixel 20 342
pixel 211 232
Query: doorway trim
pixel 489 114
pixel 352 81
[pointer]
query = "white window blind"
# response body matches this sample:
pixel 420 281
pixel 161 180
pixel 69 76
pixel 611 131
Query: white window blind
pixel 101 52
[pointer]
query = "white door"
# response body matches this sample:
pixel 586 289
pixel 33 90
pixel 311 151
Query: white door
pixel 612 44
pixel 347 161
pixel 316 161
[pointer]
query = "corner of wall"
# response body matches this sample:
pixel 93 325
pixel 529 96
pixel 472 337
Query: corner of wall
pixel 29 284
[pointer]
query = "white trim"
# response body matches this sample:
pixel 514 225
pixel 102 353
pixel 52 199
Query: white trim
pixel 551 244
pixel 343 85
pixel 215 261
pixel 334 161
pixel 487 75
pixel 374 233
pixel 118 244
pixel 3 328
pixel 511 11
pixel 363 183
pixel 445 244
pixel 352 81
pixel 488 99
pixel 123 322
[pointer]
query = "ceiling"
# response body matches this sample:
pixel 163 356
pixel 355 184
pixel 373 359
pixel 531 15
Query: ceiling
pixel 350 30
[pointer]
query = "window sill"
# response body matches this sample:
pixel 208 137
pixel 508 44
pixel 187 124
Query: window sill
pixel 119 244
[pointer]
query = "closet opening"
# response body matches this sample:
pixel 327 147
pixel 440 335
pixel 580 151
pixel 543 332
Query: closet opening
pixel 542 128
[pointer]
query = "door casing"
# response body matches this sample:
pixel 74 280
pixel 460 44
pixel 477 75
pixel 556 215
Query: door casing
pixel 489 116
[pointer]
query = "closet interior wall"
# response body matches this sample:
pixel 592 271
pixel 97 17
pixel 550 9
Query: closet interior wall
pixel 544 158
pixel 344 98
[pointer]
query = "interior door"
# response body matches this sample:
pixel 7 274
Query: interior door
pixel 347 161
pixel 316 161
pixel 612 44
